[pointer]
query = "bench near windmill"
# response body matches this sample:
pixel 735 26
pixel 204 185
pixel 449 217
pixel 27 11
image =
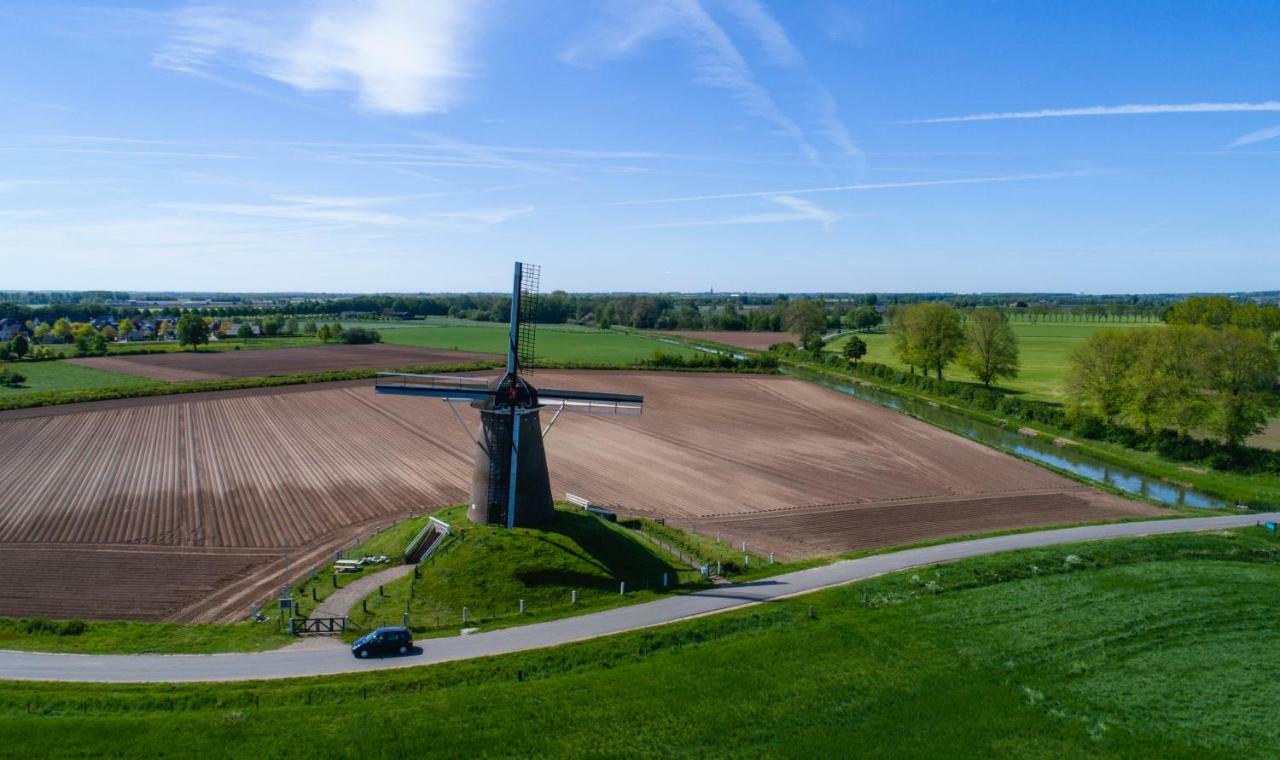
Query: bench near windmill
pixel 510 485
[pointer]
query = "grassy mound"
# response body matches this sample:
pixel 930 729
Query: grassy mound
pixel 1148 647
pixel 489 569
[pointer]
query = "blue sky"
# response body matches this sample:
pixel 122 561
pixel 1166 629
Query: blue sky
pixel 396 145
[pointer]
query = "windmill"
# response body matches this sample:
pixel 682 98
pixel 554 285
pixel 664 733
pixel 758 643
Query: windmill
pixel 510 485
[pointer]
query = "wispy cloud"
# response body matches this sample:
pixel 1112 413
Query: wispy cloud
pixel 773 194
pixel 1125 110
pixel 1261 135
pixel 782 52
pixel 798 210
pixel 717 62
pixel 358 210
pixel 398 56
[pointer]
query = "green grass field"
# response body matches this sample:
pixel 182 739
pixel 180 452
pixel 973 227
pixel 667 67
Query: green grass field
pixel 1043 348
pixel 555 343
pixel 121 637
pixel 60 376
pixel 1148 647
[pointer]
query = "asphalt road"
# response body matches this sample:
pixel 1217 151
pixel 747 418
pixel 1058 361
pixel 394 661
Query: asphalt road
pixel 326 660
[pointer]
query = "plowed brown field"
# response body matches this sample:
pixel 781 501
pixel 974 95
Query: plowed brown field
pixel 213 365
pixel 205 489
pixel 758 341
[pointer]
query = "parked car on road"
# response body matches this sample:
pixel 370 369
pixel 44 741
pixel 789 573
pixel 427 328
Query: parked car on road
pixel 395 639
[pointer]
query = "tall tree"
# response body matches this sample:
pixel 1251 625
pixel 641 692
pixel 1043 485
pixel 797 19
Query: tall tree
pixel 1242 378
pixel 20 345
pixel 991 348
pixel 192 330
pixel 1098 373
pixel 928 335
pixel 806 319
pixel 854 349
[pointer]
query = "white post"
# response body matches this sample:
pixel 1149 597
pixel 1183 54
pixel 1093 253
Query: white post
pixel 719 568
pixel 664 580
pixel 573 596
pixel 746 560
pixel 464 615
pixel 770 558
pixel 717 537
pixel 405 622
pixel 521 606
pixel 622 588
pixel 744 546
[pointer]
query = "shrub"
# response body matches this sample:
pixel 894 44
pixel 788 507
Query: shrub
pixel 359 335
pixel 11 378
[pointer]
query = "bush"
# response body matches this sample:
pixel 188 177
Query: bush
pixel 40 625
pixel 11 378
pixel 662 360
pixel 359 335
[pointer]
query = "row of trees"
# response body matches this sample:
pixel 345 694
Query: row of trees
pixel 931 336
pixel 1185 378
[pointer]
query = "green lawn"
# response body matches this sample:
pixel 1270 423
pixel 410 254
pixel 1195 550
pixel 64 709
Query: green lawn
pixel 1043 348
pixel 489 569
pixel 60 376
pixel 554 344
pixel 121 637
pixel 1149 647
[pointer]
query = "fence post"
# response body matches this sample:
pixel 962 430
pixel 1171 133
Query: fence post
pixel 622 588
pixel 717 537
pixel 744 546
pixel 746 561
pixel 464 615
pixel 719 568
pixel 405 619
pixel 364 605
pixel 314 598
pixel 521 606
pixel 380 591
pixel 573 596
pixel 770 558
pixel 664 580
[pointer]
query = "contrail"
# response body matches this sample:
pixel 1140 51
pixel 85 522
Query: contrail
pixel 1126 110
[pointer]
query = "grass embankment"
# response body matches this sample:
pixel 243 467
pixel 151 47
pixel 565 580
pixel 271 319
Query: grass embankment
pixel 1143 647
pixel 390 541
pixel 489 569
pixel 723 556
pixel 157 388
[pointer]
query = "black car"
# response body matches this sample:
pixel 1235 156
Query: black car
pixel 395 639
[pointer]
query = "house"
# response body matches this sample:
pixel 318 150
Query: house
pixel 11 328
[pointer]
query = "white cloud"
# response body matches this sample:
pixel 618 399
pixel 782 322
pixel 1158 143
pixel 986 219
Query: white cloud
pixel 398 56
pixel 798 210
pixel 1125 110
pixel 717 62
pixel 1270 133
pixel 782 52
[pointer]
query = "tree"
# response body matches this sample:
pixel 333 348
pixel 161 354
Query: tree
pixel 991 348
pixel 854 349
pixel 43 331
pixel 323 334
pixel 108 333
pixel 62 329
pixel 192 330
pixel 1098 373
pixel 309 328
pixel 928 335
pixel 125 327
pixel 359 335
pixel 806 319
pixel 1241 375
pixel 291 326
pixel 20 345
pixel 1166 378
pixel 245 332
pixel 89 342
pixel 863 318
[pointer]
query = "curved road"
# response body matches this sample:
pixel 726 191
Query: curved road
pixel 326 660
